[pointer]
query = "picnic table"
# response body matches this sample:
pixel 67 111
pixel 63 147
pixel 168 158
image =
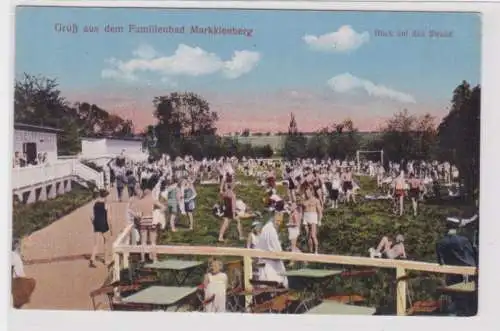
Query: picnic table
pixel 337 308
pixel 163 297
pixel 181 269
pixel 464 287
pixel 464 297
pixel 312 280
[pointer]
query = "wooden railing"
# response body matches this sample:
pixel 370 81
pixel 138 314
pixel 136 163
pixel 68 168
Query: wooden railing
pixel 122 251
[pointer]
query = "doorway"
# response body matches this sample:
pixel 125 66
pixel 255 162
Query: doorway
pixel 31 154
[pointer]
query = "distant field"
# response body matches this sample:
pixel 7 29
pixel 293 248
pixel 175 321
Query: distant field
pixel 276 142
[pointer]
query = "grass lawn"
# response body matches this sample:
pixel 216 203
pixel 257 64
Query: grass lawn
pixel 349 230
pixel 27 219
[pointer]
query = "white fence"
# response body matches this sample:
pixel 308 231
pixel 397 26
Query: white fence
pixel 82 171
pixel 33 175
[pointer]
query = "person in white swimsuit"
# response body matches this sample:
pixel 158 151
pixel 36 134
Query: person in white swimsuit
pixel 312 218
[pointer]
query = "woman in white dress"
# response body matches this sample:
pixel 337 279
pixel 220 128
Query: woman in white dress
pixel 273 270
pixel 215 288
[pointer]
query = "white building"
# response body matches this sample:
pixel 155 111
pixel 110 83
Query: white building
pixel 41 181
pixel 33 140
pixel 92 147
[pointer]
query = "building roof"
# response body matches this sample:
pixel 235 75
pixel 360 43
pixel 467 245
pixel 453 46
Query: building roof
pixel 35 128
pixel 114 138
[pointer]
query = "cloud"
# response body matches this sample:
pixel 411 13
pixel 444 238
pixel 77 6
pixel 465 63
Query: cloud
pixel 343 40
pixel 186 61
pixel 117 73
pixel 346 83
pixel 241 63
pixel 145 52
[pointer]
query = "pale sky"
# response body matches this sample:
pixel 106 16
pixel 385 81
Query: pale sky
pixel 323 66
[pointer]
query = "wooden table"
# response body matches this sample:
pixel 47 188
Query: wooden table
pixel 464 297
pixel 161 296
pixel 181 269
pixel 336 308
pixel 314 280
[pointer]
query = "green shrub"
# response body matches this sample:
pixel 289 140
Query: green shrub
pixel 94 166
pixel 29 218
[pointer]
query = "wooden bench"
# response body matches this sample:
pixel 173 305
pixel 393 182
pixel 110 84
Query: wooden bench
pixel 346 298
pixel 278 304
pixel 109 292
pixel 424 307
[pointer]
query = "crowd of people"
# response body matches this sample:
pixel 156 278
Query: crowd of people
pixel 161 193
pixel 22 160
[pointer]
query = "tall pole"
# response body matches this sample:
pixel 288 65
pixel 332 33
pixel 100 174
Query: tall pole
pixel 382 157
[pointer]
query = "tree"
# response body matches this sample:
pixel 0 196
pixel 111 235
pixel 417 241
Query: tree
pixel 459 135
pixel 245 133
pixel 406 137
pixel 343 139
pixel 317 146
pixel 38 101
pixel 292 127
pixel 181 118
pixel 426 137
pixel 265 151
pixel 295 143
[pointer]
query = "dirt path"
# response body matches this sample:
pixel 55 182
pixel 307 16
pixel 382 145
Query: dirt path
pixel 57 258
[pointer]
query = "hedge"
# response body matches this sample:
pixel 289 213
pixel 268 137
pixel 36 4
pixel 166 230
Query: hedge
pixel 29 218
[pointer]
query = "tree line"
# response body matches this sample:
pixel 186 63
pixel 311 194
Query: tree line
pixel 38 101
pixel 186 125
pixel 405 137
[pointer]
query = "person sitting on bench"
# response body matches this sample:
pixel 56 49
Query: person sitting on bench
pixel 389 250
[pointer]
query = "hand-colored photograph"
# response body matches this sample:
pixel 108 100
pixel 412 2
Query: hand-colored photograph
pixel 246 161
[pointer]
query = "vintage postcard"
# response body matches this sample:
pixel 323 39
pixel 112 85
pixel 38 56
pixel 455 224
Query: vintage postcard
pixel 247 161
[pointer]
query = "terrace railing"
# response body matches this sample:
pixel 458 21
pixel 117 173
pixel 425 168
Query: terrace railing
pixel 82 171
pixel 32 175
pixel 70 167
pixel 122 250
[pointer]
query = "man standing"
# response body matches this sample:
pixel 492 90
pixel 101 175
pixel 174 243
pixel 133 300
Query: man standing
pixel 121 181
pixel 273 270
pixel 457 250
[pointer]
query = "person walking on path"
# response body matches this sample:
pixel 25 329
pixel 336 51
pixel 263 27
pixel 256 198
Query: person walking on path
pixel 102 228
